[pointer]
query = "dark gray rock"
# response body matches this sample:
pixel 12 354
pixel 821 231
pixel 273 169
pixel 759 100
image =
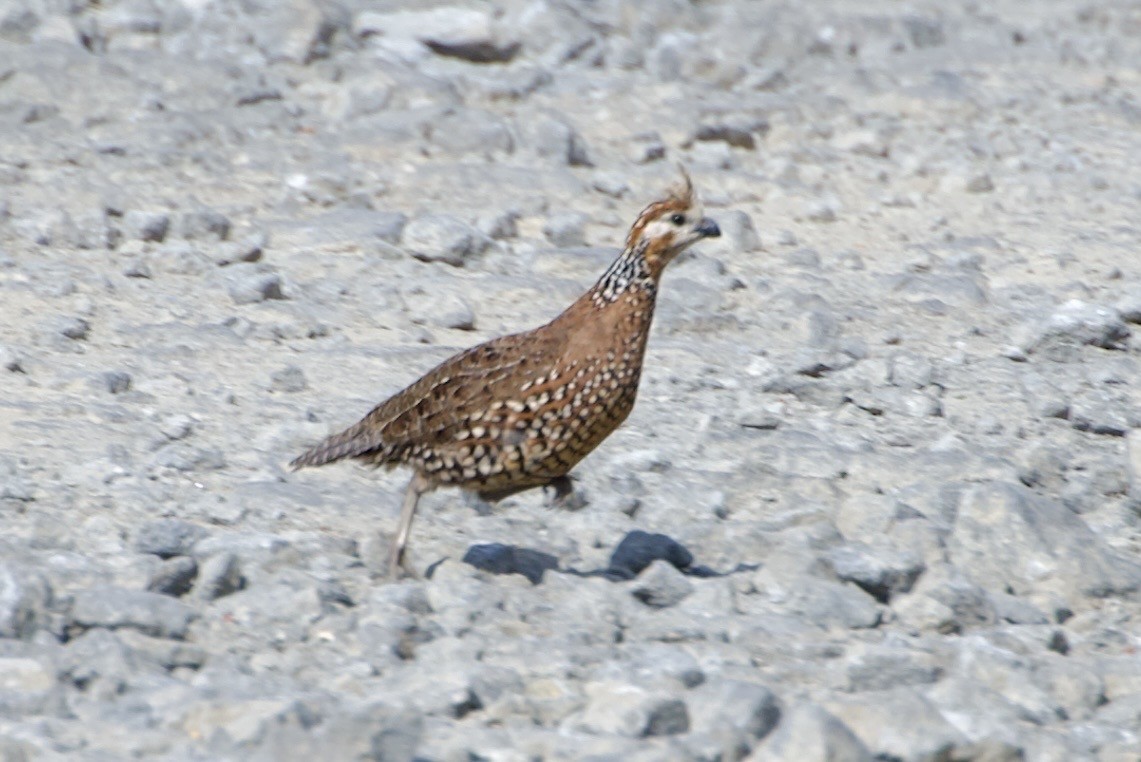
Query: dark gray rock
pixel 639 549
pixel 115 381
pixel 114 608
pixel 174 576
pixel 508 559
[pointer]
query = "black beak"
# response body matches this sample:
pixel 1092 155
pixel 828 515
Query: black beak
pixel 707 228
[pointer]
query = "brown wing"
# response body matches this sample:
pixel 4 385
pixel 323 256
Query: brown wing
pixel 442 404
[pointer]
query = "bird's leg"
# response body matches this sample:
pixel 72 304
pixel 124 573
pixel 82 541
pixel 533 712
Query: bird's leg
pixel 417 487
pixel 565 496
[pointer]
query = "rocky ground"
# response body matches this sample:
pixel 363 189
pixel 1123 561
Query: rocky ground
pixel 879 497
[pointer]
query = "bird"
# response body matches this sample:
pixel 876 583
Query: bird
pixel 520 411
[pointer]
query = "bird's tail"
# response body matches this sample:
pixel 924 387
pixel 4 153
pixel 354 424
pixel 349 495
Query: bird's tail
pixel 351 443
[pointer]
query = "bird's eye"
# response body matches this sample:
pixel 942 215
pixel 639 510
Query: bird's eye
pixel 678 219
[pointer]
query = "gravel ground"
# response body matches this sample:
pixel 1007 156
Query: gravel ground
pixel 878 500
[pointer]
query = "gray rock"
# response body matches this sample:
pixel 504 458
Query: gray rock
pixel 27 687
pixel 890 665
pixel 647 147
pixel 566 229
pixel 369 731
pixel 10 360
pixel 625 710
pixel 113 608
pixel 896 724
pixel 114 382
pixel 74 328
pixel 204 224
pixel 25 595
pixel 661 585
pixel 290 379
pixel 442 238
pixel 1076 323
pixel 807 733
pixel 250 284
pixel 249 249
pixel 740 132
pixel 168 537
pixel 738 235
pixel 467 34
pixel 553 137
pixel 146 226
pixel 881 572
pixel 1008 539
pixel 499 225
pixel 174 576
pixel 1129 306
pixel 735 712
pixel 219 576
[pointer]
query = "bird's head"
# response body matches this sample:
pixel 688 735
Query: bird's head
pixel 668 227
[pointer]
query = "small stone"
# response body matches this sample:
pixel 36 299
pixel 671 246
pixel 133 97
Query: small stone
pixel 10 360
pixel 807 732
pixel 204 224
pixel 24 598
pixel 138 268
pixel 661 585
pixel 1129 306
pixel 499 225
pixel 150 613
pixel 146 226
pixel 115 381
pixel 821 211
pixel 980 184
pixel 442 238
pixel 509 559
pixel 555 138
pixel 290 379
pixel 739 133
pixel 924 32
pixel 612 185
pixel 167 538
pixel 626 710
pixel 74 328
pixel 882 573
pixel 647 147
pixel 250 286
pixel 1078 323
pixel 174 576
pixel 219 576
pixel 566 229
pixel 26 686
pixel 249 249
